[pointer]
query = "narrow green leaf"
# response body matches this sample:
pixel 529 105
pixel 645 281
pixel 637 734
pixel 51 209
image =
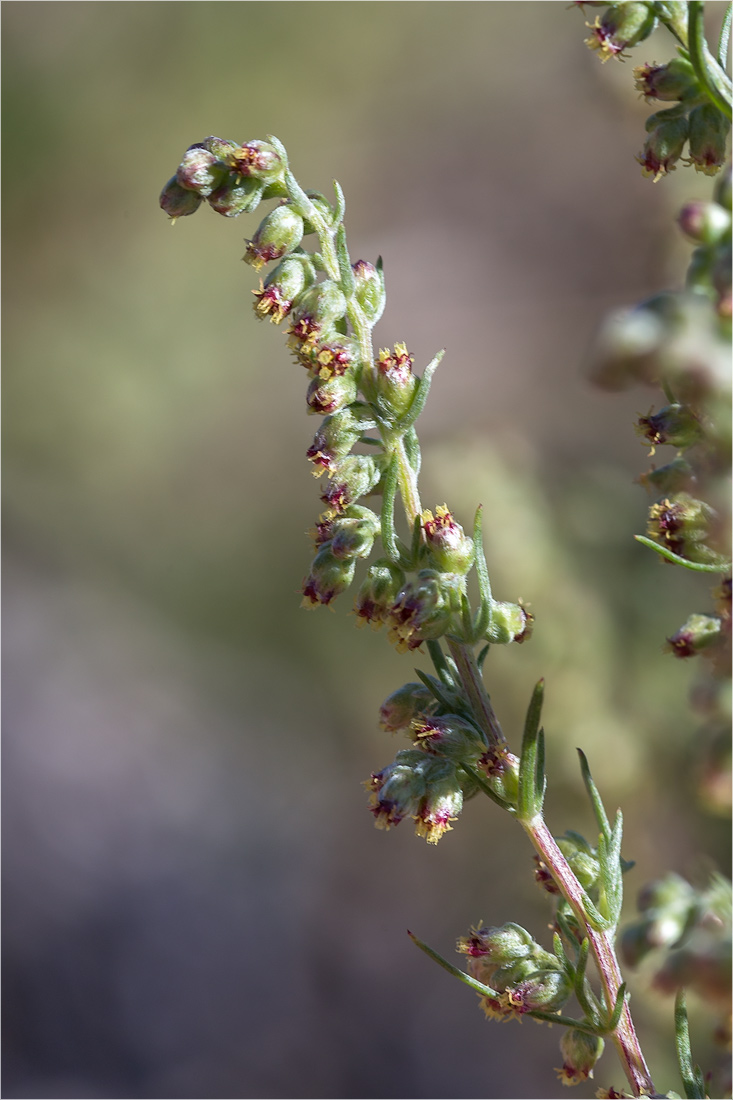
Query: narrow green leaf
pixel 594 796
pixel 478 987
pixel 421 394
pixel 724 38
pixel 340 203
pixel 483 616
pixel 692 1078
pixel 527 795
pixel 436 689
pixel 697 567
pixel 412 449
pixel 442 663
pixel 482 656
pixel 540 777
pixel 613 1020
pixel 346 272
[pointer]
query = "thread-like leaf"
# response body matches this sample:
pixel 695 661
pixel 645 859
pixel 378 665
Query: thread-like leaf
pixel 614 1018
pixel 421 393
pixel 346 272
pixel 527 794
pixel 691 1075
pixel 594 796
pixel 340 203
pixel 483 615
pixel 722 566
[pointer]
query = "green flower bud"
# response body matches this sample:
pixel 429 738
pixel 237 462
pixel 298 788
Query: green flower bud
pixel 351 478
pixel 699 633
pixel 450 550
pixel 378 592
pixel 353 532
pixel 398 790
pixel 663 148
pixel 177 202
pixel 621 25
pixel 682 524
pixel 280 232
pixel 675 477
pixel 448 735
pixel 282 286
pixel 328 578
pixel 708 135
pixel 369 289
pixel 502 770
pixel 333 394
pixel 510 622
pixel 200 171
pixel 324 303
pixel 544 991
pixel 630 343
pixel 580 1052
pixel 424 608
pixel 704 222
pixel 676 80
pixel 392 386
pixel 256 160
pixel 336 436
pixel 404 705
pixel 669 894
pixel 502 946
pixel 675 425
pixel 581 857
pixel 442 802
pixel 232 199
pixel 513 972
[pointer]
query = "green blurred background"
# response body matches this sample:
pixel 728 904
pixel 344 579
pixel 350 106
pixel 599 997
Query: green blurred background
pixel 196 901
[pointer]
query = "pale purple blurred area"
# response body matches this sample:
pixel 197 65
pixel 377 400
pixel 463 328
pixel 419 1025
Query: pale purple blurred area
pixel 196 903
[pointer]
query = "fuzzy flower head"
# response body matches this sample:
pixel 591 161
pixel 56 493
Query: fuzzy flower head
pixel 580 1053
pixel 450 549
pixel 424 608
pixel 663 148
pixel 620 26
pixel 394 383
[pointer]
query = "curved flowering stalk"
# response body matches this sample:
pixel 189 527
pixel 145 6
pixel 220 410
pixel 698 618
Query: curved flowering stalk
pixel 366 445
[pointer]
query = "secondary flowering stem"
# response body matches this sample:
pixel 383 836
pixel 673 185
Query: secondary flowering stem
pixel 601 944
pixel 473 686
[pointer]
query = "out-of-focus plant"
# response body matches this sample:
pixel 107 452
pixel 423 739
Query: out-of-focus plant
pixel 418 584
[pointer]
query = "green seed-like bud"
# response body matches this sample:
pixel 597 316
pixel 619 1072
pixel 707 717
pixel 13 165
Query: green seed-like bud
pixel 398 790
pixel 280 232
pixel 675 477
pixel 424 608
pixel 699 633
pixel 369 289
pixel 510 622
pixel 232 199
pixel 676 80
pixel 708 135
pixel 675 425
pixel 334 439
pixel 545 990
pixel 450 550
pixel 329 396
pixel 671 894
pixel 200 171
pixel 392 386
pixel 256 160
pixel 323 305
pixel 502 946
pixel 377 594
pixel 328 578
pixel 442 802
pixel 621 25
pixel 704 222
pixel 448 735
pixel 663 148
pixel 580 1052
pixel 351 478
pixel 177 202
pixel 409 702
pixel 582 859
pixel 682 523
pixel 353 532
pixel 282 286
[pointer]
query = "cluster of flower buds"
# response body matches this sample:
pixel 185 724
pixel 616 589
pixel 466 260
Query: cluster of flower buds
pixel 428 782
pixel 687 934
pixel 583 861
pixel 694 119
pixel 524 977
pixel 232 178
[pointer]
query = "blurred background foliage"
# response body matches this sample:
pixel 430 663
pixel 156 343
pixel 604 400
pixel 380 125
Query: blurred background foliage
pixel 196 901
